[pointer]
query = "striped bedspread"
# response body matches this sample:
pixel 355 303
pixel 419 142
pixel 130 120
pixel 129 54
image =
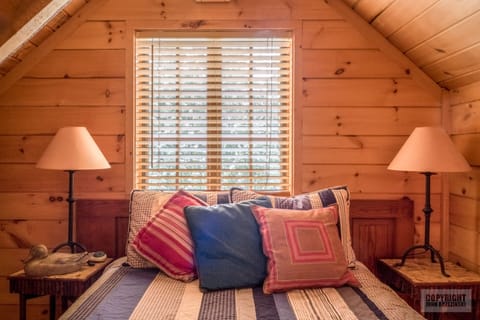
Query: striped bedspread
pixel 127 293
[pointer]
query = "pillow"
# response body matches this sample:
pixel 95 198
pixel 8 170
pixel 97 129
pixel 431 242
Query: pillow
pixel 303 249
pixel 165 240
pixel 143 206
pixel 213 197
pixel 339 195
pixel 228 245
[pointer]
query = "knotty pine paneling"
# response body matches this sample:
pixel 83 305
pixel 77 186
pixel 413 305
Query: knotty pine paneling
pixel 455 66
pixel 365 93
pixel 464 212
pixel 349 64
pixel 417 30
pixel 348 123
pixel 398 14
pixel 71 92
pixel 88 64
pixel 27 233
pixel 346 149
pixel 391 121
pixel 26 177
pixel 337 34
pixel 464 143
pixel 16 120
pixel 465 243
pixel 465 187
pixel 244 9
pixel 29 148
pixel 465 94
pixel 97 35
pixel 437 47
pixel 465 117
pixel 34 206
pixel 462 80
pixel 370 179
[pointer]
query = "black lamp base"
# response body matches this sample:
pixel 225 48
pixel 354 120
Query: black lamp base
pixel 433 252
pixel 426 246
pixel 71 245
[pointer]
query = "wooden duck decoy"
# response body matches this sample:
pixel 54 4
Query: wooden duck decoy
pixel 40 263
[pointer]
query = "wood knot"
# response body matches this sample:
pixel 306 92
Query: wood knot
pixel 108 93
pixel 194 24
pixel 99 178
pixel 339 71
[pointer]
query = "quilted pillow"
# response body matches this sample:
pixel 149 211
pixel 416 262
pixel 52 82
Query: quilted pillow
pixel 303 249
pixel 143 206
pixel 213 197
pixel 165 240
pixel 339 195
pixel 227 245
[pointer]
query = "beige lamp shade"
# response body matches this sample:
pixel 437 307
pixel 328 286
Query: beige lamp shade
pixel 73 148
pixel 429 149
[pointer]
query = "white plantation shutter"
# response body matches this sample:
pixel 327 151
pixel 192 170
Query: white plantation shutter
pixel 213 112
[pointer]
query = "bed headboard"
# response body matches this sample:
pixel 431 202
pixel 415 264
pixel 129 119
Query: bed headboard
pixel 380 228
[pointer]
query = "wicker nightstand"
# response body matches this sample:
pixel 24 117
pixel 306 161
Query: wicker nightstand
pixel 67 286
pixel 420 275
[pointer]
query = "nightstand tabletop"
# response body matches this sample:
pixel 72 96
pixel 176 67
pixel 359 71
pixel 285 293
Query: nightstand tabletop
pixel 423 271
pixel 71 284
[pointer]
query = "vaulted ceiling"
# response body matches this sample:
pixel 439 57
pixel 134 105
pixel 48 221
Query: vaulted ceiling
pixel 440 36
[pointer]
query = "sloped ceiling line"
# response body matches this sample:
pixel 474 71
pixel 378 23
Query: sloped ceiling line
pixel 48 45
pixel 31 28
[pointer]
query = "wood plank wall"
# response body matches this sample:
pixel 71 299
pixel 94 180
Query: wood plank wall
pixel 353 109
pixel 465 188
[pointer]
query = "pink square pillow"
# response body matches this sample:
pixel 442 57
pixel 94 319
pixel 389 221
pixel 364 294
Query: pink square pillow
pixel 303 249
pixel 165 240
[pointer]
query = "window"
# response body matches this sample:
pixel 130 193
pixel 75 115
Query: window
pixel 213 111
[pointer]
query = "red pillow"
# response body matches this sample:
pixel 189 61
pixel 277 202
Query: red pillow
pixel 303 249
pixel 166 241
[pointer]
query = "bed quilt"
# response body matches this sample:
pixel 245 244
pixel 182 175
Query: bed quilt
pixel 127 293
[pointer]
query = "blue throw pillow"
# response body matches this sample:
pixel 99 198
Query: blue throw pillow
pixel 227 245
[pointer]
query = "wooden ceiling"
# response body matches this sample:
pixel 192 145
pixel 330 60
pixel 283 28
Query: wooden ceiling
pixel 440 36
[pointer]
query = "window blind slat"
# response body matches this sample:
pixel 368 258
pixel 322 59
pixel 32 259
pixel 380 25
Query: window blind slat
pixel 213 113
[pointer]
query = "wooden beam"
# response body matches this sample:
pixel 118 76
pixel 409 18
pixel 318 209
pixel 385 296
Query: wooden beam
pixel 48 45
pixel 385 46
pixel 31 28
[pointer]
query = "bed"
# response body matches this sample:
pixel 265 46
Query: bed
pixel 135 288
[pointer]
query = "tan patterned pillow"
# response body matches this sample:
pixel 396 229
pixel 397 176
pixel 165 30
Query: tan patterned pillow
pixel 143 206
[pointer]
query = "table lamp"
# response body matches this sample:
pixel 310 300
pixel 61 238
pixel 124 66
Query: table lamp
pixel 428 150
pixel 72 149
